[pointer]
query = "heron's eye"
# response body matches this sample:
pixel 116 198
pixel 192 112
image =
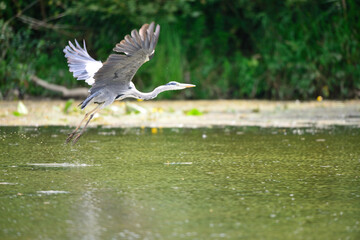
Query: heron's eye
pixel 171 83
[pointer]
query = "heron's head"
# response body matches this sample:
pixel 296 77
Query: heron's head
pixel 178 86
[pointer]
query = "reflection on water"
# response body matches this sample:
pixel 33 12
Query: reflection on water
pixel 223 183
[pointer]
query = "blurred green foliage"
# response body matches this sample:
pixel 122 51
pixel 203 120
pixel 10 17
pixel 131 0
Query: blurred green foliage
pixel 272 49
pixel 194 112
pixel 67 106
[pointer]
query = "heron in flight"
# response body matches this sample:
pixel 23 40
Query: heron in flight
pixel 111 80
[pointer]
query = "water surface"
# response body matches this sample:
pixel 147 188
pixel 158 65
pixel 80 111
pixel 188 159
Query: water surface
pixel 222 183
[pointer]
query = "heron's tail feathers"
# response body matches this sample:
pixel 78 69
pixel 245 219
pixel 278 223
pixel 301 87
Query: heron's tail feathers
pixel 81 64
pixel 88 99
pixel 146 38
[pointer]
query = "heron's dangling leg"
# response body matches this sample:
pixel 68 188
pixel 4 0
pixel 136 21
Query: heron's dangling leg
pixel 93 112
pixel 71 135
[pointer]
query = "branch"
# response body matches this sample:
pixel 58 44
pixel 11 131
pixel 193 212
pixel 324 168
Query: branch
pixel 38 24
pixel 17 15
pixel 67 93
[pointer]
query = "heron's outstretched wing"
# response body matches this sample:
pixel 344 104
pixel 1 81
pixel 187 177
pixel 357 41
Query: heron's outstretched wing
pixel 80 63
pixel 119 69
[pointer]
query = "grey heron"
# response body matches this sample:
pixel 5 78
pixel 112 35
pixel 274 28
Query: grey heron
pixel 113 80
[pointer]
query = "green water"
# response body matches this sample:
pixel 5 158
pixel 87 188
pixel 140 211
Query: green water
pixel 225 183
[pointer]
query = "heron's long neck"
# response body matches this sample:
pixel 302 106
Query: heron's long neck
pixel 153 94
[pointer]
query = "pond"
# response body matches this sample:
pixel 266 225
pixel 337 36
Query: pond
pixel 214 183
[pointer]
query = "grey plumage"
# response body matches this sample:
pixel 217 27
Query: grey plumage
pixel 112 80
pixel 119 69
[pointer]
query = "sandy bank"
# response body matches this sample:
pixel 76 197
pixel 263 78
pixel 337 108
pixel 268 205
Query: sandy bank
pixel 176 113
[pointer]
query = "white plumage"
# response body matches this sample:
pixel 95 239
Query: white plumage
pixel 81 64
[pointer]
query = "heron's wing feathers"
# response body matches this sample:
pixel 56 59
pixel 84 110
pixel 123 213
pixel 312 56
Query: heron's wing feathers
pixel 81 64
pixel 146 39
pixel 119 69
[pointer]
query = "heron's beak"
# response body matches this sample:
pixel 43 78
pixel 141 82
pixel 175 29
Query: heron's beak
pixel 187 85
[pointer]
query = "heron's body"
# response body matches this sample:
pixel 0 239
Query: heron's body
pixel 113 80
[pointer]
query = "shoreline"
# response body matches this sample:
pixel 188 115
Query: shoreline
pixel 187 113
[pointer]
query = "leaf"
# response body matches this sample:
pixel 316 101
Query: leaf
pixel 194 112
pixel 16 114
pixel 68 105
pixel 21 109
pixel 133 108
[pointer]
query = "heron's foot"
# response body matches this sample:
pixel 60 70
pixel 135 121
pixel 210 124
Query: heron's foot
pixel 77 138
pixel 71 135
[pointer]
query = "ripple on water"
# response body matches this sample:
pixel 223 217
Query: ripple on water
pixel 7 183
pixel 60 164
pixel 49 192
